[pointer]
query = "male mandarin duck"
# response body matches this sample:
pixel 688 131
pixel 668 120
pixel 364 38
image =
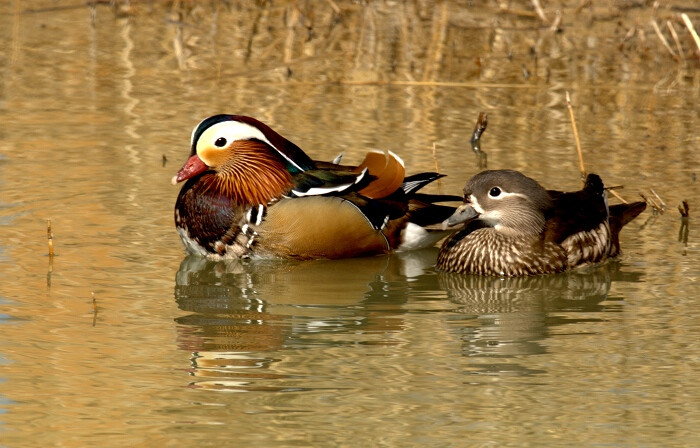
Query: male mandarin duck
pixel 512 226
pixel 249 191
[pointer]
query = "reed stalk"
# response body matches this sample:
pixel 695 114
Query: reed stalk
pixel 49 235
pixel 576 138
pixel 691 30
pixel 663 40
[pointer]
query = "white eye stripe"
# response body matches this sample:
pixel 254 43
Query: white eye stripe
pixel 235 130
pixel 505 194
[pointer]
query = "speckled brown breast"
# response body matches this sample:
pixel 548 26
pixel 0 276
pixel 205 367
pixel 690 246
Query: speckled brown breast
pixel 488 252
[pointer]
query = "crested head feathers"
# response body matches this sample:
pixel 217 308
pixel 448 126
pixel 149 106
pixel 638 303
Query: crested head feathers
pixel 239 127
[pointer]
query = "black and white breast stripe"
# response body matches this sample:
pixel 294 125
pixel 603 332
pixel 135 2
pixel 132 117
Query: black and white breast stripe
pixel 256 214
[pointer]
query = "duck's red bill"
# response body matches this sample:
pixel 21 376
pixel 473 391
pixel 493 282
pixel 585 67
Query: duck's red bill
pixel 191 168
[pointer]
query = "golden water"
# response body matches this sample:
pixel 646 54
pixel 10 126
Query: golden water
pixel 97 106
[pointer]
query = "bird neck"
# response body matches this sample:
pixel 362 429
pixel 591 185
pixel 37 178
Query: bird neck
pixel 519 224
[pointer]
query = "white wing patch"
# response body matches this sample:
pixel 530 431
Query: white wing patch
pixel 319 191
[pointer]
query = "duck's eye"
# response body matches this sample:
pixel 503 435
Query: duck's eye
pixel 494 192
pixel 220 142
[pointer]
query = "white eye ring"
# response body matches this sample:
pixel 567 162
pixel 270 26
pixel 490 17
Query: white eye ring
pixel 495 192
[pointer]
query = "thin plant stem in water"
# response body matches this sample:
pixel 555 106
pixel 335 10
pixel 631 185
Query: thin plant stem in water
pixel 684 230
pixel 94 309
pixel 437 168
pixel 49 235
pixel 475 140
pixel 576 138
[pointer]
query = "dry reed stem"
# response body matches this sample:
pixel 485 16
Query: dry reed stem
pixel 692 31
pixel 657 208
pixel 619 198
pixel 663 204
pixel 516 12
pixel 555 24
pixel 475 140
pixel 578 149
pixel 437 168
pixel 676 39
pixel 684 209
pixel 94 309
pixel 481 122
pixel 540 11
pixel 576 138
pixel 49 235
pixel 582 5
pixel 663 40
pixel 336 8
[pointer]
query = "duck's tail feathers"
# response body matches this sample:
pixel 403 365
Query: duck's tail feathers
pixel 431 214
pixel 620 216
pixel 415 182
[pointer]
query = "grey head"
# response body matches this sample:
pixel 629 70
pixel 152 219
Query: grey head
pixel 506 200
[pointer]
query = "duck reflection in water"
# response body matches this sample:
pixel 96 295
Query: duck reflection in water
pixel 247 318
pixel 245 313
pixel 504 318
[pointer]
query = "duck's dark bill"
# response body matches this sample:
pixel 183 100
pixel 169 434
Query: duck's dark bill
pixel 191 168
pixel 464 213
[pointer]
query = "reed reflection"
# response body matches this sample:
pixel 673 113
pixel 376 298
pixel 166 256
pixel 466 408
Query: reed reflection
pixel 505 318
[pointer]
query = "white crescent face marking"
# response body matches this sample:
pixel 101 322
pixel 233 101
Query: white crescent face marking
pixel 492 217
pixel 233 131
pixel 475 204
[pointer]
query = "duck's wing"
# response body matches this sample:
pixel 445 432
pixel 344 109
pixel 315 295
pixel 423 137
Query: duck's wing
pixel 328 215
pixel 323 182
pixel 319 227
pixel 378 176
pixel 575 212
pixel 405 202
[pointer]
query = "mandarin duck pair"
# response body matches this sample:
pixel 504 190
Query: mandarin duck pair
pixel 251 192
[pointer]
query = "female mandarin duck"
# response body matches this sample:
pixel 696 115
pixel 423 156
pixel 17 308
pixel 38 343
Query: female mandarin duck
pixel 513 226
pixel 250 191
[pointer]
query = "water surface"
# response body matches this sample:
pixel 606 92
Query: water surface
pixel 97 106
